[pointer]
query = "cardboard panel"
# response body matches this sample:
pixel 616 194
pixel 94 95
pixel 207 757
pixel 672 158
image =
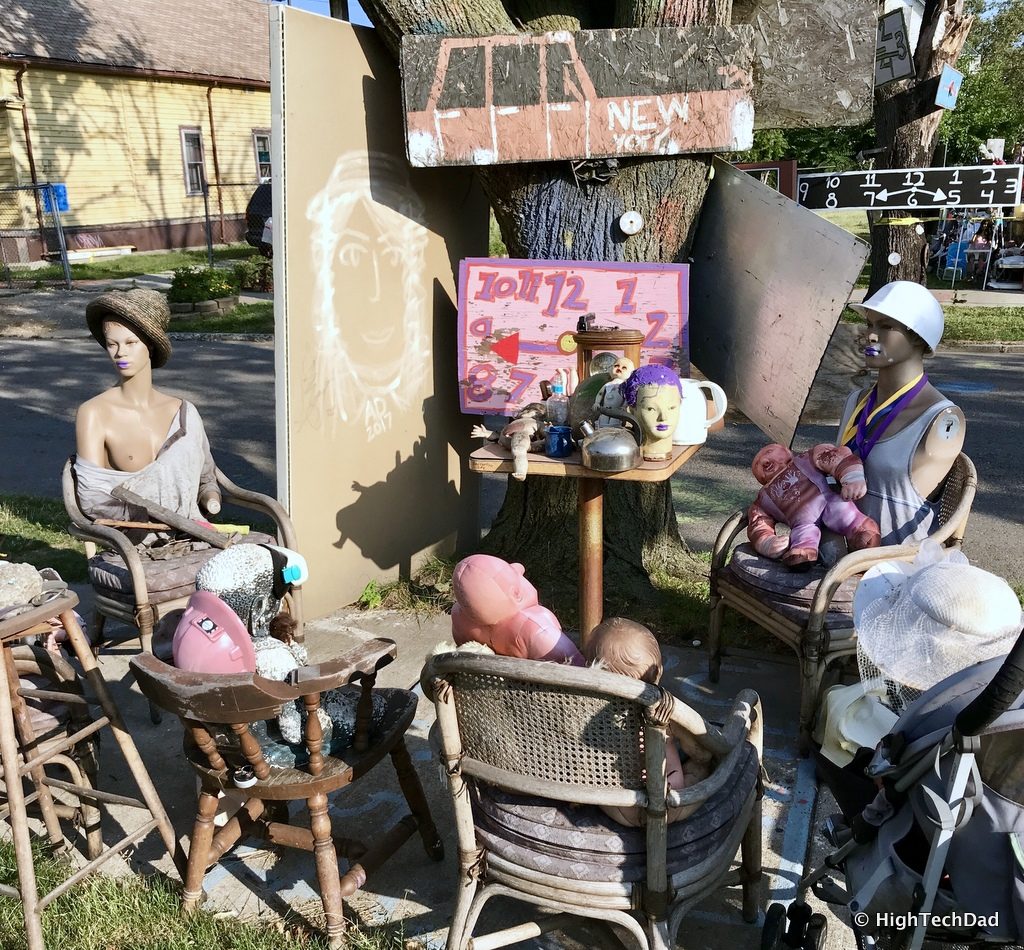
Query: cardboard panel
pixel 516 320
pixel 813 61
pixel 369 433
pixel 484 100
pixel 767 287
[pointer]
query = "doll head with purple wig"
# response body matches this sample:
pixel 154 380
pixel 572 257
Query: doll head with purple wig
pixel 654 394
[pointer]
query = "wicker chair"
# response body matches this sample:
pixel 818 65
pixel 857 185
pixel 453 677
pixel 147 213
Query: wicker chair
pixel 140 591
pixel 524 739
pixel 216 711
pixel 812 612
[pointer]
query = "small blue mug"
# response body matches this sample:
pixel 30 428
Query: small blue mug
pixel 559 442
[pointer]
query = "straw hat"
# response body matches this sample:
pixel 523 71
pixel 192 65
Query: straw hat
pixel 145 311
pixel 918 626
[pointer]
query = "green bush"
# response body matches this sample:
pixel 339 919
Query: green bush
pixel 255 273
pixel 192 284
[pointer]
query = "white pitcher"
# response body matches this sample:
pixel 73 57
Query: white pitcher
pixel 693 414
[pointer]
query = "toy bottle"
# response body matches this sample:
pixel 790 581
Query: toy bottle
pixel 557 405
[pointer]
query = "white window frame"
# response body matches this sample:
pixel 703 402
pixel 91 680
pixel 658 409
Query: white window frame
pixel 256 134
pixel 186 164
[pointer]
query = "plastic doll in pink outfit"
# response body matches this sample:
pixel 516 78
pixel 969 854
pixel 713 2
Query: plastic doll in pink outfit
pixel 630 649
pixel 497 606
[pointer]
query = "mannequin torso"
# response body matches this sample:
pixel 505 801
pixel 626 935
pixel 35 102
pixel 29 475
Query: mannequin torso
pixel 120 431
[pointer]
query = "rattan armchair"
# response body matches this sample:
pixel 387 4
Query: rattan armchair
pixel 139 591
pixel 531 748
pixel 812 612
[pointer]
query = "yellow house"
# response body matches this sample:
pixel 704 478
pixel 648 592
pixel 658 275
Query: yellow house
pixel 133 106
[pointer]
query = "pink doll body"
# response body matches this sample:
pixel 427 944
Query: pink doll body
pixel 796 493
pixel 497 606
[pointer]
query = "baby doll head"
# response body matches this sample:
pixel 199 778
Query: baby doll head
pixel 621 368
pixel 624 647
pixel 771 460
pixel 490 590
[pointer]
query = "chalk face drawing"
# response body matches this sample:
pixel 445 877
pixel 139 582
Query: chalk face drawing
pixel 484 100
pixel 371 319
pixel 517 317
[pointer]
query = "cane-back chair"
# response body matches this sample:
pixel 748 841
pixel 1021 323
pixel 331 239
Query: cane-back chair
pixel 140 590
pixel 531 748
pixel 216 711
pixel 812 612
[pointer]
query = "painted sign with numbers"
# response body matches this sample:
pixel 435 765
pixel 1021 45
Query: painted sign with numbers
pixel 894 59
pixel 976 186
pixel 517 319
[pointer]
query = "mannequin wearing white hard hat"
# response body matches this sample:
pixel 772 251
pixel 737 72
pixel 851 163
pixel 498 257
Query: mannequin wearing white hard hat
pixel 907 433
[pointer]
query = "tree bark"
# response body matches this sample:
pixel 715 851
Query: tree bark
pixel 548 211
pixel 907 129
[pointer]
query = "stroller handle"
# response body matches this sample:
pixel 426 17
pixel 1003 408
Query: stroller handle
pixel 997 697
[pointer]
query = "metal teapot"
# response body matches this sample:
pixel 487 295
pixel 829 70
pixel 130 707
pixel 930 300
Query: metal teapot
pixel 611 449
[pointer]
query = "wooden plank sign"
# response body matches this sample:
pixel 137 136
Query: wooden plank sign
pixel 517 318
pixel 485 100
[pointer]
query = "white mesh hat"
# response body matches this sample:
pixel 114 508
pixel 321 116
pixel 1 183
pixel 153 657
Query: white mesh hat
pixel 919 623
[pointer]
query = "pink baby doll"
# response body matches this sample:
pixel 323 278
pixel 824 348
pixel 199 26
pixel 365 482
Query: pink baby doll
pixel 796 493
pixel 497 606
pixel 630 649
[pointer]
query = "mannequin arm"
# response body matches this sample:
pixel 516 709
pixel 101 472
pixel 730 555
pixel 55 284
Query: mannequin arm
pixel 209 492
pixel 90 443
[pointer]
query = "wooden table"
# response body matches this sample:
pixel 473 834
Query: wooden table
pixel 590 505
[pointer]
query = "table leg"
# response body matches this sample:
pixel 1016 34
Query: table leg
pixel 591 517
pixel 83 651
pixel 18 819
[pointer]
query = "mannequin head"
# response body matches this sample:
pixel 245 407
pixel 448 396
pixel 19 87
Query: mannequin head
pixel 654 394
pixel 905 322
pixel 888 342
pixel 131 325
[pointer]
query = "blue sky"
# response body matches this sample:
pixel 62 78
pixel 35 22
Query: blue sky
pixel 323 7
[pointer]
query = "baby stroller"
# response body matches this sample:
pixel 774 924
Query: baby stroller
pixel 937 858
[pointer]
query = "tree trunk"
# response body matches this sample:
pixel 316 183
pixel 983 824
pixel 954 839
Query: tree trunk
pixel 550 211
pixel 907 129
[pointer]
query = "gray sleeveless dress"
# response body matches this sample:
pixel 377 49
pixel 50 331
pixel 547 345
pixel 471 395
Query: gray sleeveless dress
pixel 900 510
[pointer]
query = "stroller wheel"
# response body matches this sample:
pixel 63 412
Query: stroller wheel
pixel 817 931
pixel 774 928
pixel 799 919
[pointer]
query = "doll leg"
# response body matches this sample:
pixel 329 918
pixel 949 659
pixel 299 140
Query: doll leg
pixel 845 518
pixel 803 545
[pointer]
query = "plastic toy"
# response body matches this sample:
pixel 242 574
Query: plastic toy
pixel 796 493
pixel 497 606
pixel 210 638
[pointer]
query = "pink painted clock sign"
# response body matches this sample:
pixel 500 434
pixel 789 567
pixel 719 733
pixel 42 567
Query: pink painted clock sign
pixel 517 318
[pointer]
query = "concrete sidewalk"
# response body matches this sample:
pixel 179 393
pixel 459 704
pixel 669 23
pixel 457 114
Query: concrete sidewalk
pixel 410 890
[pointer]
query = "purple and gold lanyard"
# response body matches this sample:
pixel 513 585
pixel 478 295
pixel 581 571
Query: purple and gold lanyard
pixel 881 418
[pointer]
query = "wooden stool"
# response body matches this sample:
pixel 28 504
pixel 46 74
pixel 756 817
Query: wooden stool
pixel 588 342
pixel 21 757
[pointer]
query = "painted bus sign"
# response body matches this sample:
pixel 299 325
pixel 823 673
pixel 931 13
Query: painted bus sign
pixel 488 100
pixel 517 318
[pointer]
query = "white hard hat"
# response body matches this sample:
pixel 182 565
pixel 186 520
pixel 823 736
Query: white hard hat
pixel 909 304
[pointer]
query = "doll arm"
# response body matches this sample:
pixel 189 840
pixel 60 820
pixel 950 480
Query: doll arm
pixel 761 533
pixel 845 467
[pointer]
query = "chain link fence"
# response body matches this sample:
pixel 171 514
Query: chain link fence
pixel 33 252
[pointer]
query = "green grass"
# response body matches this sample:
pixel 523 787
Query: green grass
pixel 132 265
pixel 143 913
pixel 34 531
pixel 974 324
pixel 245 318
pixel 429 591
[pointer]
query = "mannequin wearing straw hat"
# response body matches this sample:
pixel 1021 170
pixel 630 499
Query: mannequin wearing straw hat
pixel 132 432
pixel 905 431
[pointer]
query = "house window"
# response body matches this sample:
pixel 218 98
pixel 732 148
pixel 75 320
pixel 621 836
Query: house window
pixel 261 146
pixel 193 160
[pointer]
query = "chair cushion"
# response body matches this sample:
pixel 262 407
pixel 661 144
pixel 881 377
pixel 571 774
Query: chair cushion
pixel 791 592
pixel 166 578
pixel 581 843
